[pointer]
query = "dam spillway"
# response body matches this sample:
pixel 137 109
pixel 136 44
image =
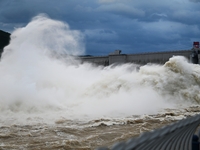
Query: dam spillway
pixel 139 58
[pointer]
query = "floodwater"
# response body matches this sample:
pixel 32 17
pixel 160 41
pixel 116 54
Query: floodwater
pixel 70 134
pixel 49 100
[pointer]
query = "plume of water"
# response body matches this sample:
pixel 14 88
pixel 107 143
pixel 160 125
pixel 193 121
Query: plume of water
pixel 38 78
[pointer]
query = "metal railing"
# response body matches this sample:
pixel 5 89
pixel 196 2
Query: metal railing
pixel 177 136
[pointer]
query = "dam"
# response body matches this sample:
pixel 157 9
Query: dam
pixel 140 58
pixel 193 55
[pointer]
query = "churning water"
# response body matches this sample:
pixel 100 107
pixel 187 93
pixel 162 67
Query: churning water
pixel 50 100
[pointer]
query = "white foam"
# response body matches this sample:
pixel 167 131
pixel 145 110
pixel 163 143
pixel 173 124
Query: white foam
pixel 37 86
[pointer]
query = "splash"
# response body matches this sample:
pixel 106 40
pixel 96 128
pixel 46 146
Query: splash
pixel 40 80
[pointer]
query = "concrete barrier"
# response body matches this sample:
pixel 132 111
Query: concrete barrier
pixel 177 136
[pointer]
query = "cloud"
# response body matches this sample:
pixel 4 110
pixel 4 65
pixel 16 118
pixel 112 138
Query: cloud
pixel 132 26
pixel 186 16
pixel 100 35
pixel 121 9
pixel 159 14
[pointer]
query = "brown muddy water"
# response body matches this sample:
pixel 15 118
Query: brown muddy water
pixel 66 134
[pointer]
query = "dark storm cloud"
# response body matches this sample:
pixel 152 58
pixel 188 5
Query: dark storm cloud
pixel 130 25
pixel 122 9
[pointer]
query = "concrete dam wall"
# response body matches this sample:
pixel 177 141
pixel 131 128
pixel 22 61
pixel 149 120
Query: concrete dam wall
pixel 142 58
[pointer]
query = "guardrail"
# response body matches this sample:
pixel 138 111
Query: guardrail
pixel 177 136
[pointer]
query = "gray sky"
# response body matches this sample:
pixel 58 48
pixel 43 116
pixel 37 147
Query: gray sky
pixel 133 26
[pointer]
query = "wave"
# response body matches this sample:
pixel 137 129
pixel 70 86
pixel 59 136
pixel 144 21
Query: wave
pixel 40 79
